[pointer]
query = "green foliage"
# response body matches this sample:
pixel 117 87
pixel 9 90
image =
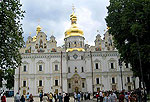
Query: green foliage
pixel 11 39
pixel 129 22
pixel 9 77
pixel 1 77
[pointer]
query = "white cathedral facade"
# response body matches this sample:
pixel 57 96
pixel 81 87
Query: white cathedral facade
pixel 75 66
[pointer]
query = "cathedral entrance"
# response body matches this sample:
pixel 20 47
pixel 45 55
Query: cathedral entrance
pixel 76 89
pixel 76 83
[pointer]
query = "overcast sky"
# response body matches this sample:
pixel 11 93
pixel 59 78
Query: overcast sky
pixel 54 17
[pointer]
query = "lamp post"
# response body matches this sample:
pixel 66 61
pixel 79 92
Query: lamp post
pixel 120 64
pixel 133 78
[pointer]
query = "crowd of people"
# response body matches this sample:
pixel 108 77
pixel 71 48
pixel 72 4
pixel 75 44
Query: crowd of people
pixel 65 97
pixel 101 96
pixel 113 96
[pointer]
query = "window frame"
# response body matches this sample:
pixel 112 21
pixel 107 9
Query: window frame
pixel 97 81
pixel 111 65
pixel 56 82
pixel 24 83
pixel 128 79
pixel 96 65
pixel 113 80
pixel 25 68
pixel 40 83
pixel 40 68
pixel 56 68
pixel 82 69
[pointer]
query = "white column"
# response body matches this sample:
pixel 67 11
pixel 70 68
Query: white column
pixel 65 85
pixel 89 84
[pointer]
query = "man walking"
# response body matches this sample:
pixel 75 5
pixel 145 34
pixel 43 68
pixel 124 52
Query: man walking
pixel 17 97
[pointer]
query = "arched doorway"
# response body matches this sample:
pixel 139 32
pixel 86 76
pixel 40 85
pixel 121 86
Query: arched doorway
pixel 76 89
pixel 76 82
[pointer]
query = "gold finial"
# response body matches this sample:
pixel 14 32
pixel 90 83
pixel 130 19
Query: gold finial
pixel 38 29
pixel 30 33
pixel 108 28
pixel 104 30
pixel 73 8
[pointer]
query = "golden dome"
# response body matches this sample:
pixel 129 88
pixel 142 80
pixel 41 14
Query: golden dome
pixel 72 49
pixel 34 38
pixel 73 30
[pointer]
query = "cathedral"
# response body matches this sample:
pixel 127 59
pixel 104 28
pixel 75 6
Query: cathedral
pixel 74 67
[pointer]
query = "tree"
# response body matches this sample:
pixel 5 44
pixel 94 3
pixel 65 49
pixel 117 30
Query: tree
pixel 129 22
pixel 1 77
pixel 9 77
pixel 11 39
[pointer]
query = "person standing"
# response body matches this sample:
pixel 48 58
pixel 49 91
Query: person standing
pixel 41 96
pixel 66 98
pixel 127 96
pixel 78 96
pixel 97 96
pixel 3 98
pixel 113 97
pixel 31 98
pixel 51 97
pixel 17 97
pixel 106 98
pixel 121 97
pixel 22 98
pixel 101 96
pixel 60 97
pixel 55 97
pixel 27 97
pixel 75 97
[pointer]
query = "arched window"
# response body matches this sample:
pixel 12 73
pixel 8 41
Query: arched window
pixel 69 44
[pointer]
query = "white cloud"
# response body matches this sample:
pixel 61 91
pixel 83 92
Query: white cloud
pixel 54 17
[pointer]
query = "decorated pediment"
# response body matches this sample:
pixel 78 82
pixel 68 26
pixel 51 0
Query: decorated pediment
pixel 96 60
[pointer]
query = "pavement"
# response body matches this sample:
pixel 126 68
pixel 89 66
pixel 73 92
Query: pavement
pixel 37 99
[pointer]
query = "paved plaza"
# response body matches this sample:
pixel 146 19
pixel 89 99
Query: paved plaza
pixel 37 99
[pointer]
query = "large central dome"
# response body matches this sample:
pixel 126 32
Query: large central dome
pixel 73 30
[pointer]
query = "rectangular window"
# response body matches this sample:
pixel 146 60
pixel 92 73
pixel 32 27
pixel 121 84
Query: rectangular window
pixel 97 80
pixel 113 80
pixel 128 79
pixel 24 83
pixel 24 68
pixel 112 65
pixel 96 65
pixel 68 57
pixel 126 64
pixel 82 85
pixel 81 57
pixel 56 67
pixel 40 67
pixel 68 69
pixel 40 82
pixel 82 69
pixel 69 85
pixel 56 82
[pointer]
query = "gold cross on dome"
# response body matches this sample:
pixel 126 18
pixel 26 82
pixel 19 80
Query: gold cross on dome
pixel 73 8
pixel 30 33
